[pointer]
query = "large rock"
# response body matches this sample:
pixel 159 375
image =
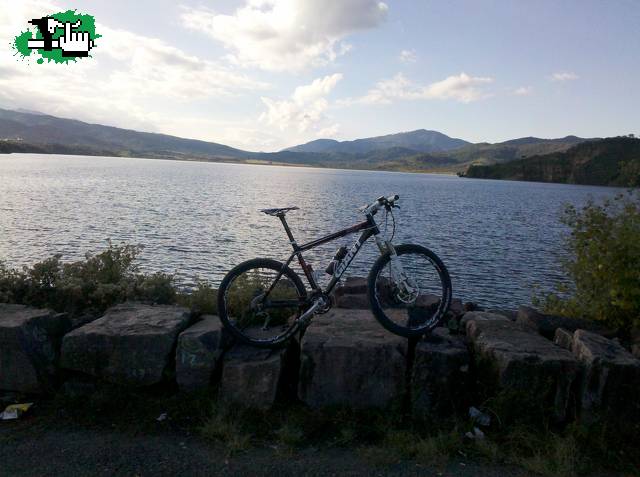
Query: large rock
pixel 480 316
pixel 352 286
pixel 515 362
pixel 132 344
pixel 611 375
pixel 29 348
pixel 253 377
pixel 347 358
pixel 547 325
pixel 199 353
pixel 440 374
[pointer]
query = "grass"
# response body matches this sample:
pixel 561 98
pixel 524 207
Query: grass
pixel 383 438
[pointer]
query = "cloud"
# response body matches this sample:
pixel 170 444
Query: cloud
pixel 564 76
pixel 523 91
pixel 329 131
pixel 462 88
pixel 408 56
pixel 286 35
pixel 305 110
pixel 131 81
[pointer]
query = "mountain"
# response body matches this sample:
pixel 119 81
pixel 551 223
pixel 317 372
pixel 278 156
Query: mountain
pixel 415 151
pixel 42 129
pixel 485 153
pixel 420 140
pixel 612 161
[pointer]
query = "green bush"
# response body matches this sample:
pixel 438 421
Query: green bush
pixel 90 285
pixel 603 263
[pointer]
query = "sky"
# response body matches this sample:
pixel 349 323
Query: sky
pixel 263 75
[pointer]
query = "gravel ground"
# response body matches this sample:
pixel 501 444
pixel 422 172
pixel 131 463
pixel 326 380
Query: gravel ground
pixel 37 447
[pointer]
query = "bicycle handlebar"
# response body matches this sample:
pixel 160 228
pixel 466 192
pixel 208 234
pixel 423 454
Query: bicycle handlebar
pixel 380 202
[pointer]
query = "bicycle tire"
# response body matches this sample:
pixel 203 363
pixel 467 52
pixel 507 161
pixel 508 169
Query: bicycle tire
pixel 374 298
pixel 257 263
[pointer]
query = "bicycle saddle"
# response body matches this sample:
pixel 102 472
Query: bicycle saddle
pixel 280 211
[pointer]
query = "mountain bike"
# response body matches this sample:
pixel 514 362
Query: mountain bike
pixel 263 302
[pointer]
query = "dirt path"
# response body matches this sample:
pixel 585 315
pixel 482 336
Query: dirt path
pixel 37 448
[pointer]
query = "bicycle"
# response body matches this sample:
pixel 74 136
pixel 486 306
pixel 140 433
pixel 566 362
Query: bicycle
pixel 263 302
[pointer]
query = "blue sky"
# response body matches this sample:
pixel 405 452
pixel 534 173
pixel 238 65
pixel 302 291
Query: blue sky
pixel 267 74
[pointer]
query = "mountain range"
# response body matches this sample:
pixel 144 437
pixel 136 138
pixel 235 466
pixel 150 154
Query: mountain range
pixel 416 151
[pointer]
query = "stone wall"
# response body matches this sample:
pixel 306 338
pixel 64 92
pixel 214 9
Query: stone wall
pixel 344 358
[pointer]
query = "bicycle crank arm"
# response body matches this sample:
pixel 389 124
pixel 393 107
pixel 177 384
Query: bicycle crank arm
pixel 305 318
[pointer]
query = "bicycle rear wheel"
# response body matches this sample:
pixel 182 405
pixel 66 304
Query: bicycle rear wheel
pixel 260 301
pixel 411 296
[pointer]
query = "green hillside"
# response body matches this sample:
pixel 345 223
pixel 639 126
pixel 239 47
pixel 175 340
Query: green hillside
pixel 612 161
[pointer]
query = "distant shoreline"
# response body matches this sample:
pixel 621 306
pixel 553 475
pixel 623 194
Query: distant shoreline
pixel 247 162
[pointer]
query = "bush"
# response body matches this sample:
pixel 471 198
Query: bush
pixel 90 285
pixel 603 263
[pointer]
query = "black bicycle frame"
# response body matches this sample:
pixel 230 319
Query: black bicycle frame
pixel 368 228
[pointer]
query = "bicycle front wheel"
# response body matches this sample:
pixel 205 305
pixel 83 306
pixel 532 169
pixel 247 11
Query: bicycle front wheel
pixel 411 293
pixel 260 301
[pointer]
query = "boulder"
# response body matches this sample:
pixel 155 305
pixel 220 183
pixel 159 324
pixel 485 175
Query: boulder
pixel 511 314
pixel 514 362
pixel 253 377
pixel 611 375
pixel 352 286
pixel 347 358
pixel 132 344
pixel 199 353
pixel 352 301
pixel 440 374
pixel 564 338
pixel 480 316
pixel 547 325
pixel 29 348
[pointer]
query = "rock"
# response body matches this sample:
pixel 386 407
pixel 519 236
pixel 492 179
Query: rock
pixel 198 354
pixel 353 302
pixel 564 338
pixel 440 374
pixel 611 375
pixel 480 316
pixel 132 344
pixel 253 377
pixel 347 358
pixel 456 307
pixel 514 362
pixel 352 286
pixel 511 314
pixel 547 325
pixel 29 348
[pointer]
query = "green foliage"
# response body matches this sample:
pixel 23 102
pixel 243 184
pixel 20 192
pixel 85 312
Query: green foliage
pixel 611 161
pixel 202 300
pixel 604 263
pixel 90 285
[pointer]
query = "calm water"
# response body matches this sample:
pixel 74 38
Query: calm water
pixel 497 238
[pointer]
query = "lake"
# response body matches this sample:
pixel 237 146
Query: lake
pixel 497 238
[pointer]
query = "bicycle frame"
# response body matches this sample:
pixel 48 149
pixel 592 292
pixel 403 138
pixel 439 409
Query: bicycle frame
pixel 368 227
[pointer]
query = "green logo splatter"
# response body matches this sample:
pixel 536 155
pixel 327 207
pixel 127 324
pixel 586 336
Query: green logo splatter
pixel 58 37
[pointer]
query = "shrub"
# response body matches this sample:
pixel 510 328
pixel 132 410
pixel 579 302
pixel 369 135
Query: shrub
pixel 603 263
pixel 90 285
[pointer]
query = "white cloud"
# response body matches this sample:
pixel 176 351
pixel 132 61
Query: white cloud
pixel 564 76
pixel 286 35
pixel 408 56
pixel 329 131
pixel 462 88
pixel 305 110
pixel 523 91
pixel 131 81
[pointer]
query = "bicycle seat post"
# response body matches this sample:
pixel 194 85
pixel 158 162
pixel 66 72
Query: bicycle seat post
pixel 288 230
